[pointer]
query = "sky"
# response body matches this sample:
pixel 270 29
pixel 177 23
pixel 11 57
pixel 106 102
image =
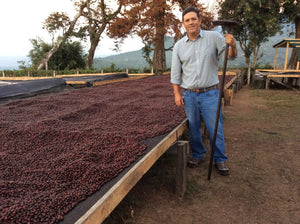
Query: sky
pixel 21 20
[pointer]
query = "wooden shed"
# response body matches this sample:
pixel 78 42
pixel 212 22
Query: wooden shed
pixel 287 43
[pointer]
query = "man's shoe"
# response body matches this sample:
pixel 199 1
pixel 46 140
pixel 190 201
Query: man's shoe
pixel 195 162
pixel 222 169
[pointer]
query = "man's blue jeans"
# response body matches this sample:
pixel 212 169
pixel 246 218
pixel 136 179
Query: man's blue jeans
pixel 204 105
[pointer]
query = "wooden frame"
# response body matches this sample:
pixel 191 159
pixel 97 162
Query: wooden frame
pixel 287 43
pixel 106 204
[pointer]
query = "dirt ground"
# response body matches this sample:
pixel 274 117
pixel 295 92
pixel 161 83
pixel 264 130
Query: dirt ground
pixel 262 141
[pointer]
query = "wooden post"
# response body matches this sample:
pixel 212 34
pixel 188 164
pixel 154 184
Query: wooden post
pixel 298 63
pixel 182 147
pixel 267 83
pixel 234 88
pixel 286 55
pixel 228 94
pixel 275 58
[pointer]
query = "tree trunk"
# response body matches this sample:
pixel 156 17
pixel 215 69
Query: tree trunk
pixel 44 61
pixel 91 55
pixel 248 63
pixel 293 60
pixel 159 56
pixel 94 40
pixel 249 74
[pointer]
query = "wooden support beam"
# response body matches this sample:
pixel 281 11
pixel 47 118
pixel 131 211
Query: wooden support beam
pixel 283 76
pixel 182 147
pixel 277 70
pixel 267 83
pixel 286 55
pixel 106 204
pixel 228 95
pixel 230 82
pixel 275 58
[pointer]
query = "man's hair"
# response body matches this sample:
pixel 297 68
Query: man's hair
pixel 190 9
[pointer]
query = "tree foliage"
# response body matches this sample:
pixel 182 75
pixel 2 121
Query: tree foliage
pixel 56 21
pixel 69 56
pixel 69 31
pixel 98 15
pixel 257 21
pixel 152 21
pixel 291 14
pixel 91 20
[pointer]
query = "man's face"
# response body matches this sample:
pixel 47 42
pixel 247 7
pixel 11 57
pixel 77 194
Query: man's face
pixel 191 23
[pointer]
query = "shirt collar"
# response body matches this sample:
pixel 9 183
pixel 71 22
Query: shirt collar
pixel 199 36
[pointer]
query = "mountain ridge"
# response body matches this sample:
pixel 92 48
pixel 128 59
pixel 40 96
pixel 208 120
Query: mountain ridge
pixel 135 60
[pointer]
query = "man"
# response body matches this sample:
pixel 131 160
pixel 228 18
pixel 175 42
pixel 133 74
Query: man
pixel 195 69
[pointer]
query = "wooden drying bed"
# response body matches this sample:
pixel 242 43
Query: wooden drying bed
pixel 278 76
pixel 105 205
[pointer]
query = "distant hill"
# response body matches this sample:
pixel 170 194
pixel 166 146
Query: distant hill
pixel 135 59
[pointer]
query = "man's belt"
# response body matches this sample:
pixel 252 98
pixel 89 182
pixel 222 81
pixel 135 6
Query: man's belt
pixel 202 90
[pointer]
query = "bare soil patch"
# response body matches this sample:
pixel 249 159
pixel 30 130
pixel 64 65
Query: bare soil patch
pixel 262 141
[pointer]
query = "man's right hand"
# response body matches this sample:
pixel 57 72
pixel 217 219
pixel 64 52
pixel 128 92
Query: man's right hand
pixel 179 100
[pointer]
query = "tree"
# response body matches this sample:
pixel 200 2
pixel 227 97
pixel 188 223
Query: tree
pixel 291 13
pixel 257 21
pixel 152 21
pixel 99 15
pixel 96 14
pixel 52 23
pixel 69 56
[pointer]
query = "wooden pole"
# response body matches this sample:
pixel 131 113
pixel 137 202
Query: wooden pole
pixel 267 83
pixel 275 58
pixel 286 55
pixel 182 147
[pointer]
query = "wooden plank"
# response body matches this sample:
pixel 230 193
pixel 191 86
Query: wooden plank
pixel 227 73
pixel 230 82
pixel 141 74
pixel 92 74
pixel 280 83
pixel 101 83
pixel 76 82
pixel 276 70
pixel 25 78
pixel 105 205
pixel 283 76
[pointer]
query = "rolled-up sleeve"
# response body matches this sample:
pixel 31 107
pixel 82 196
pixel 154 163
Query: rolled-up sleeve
pixel 176 67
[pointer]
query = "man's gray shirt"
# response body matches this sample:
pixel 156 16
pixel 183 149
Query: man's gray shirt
pixel 195 63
